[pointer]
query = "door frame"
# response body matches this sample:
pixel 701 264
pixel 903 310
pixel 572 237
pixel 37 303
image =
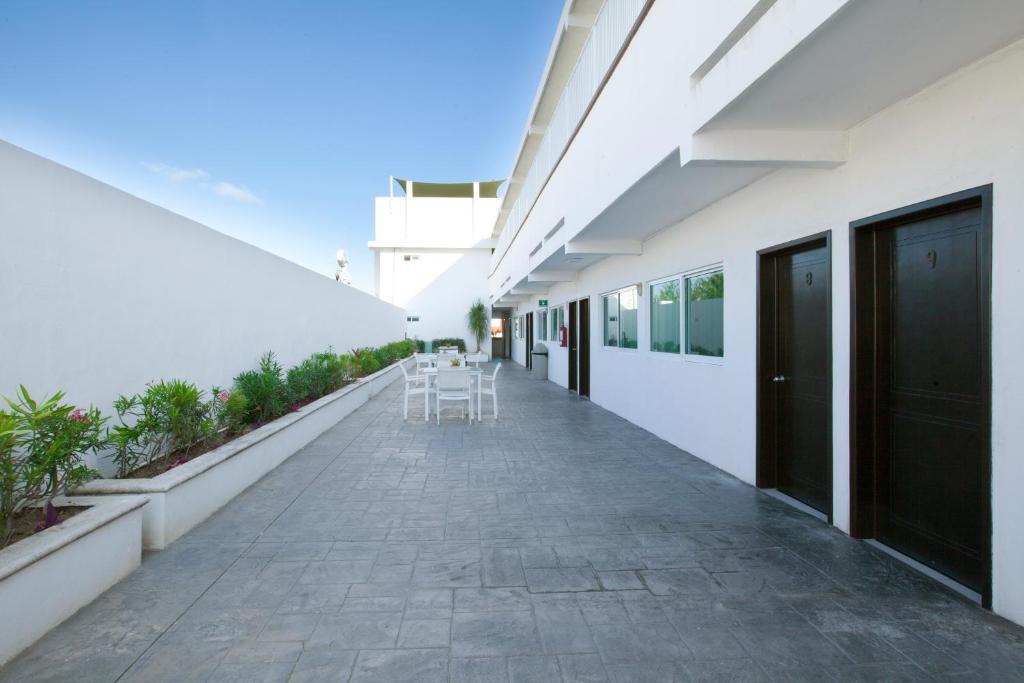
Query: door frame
pixel 573 350
pixel 581 359
pixel 529 340
pixel 863 384
pixel 767 459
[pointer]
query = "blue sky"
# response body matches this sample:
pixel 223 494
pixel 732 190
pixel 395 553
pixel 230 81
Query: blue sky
pixel 275 122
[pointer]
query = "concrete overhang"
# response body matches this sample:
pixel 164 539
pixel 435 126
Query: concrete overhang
pixel 828 64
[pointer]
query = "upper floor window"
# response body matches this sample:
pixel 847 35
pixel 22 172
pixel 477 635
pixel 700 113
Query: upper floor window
pixel 620 318
pixel 665 327
pixel 705 323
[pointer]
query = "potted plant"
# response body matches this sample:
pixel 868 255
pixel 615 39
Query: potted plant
pixel 478 322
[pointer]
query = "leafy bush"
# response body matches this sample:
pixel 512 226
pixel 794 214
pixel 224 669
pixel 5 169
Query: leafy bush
pixel 169 417
pixel 421 345
pixel 317 376
pixel 265 389
pixel 41 449
pixel 228 410
pixel 448 341
pixel 366 362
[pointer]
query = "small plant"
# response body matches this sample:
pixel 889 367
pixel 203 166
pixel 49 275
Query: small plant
pixel 42 445
pixel 456 362
pixel 478 323
pixel 448 341
pixel 366 362
pixel 265 389
pixel 170 416
pixel 228 410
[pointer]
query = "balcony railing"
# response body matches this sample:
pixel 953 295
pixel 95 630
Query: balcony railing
pixel 613 25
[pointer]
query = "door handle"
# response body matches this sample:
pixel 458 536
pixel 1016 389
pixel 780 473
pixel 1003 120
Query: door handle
pixel 779 378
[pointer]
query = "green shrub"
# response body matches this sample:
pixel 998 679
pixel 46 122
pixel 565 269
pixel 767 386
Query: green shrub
pixel 265 389
pixel 41 452
pixel 169 417
pixel 228 410
pixel 421 345
pixel 448 341
pixel 317 376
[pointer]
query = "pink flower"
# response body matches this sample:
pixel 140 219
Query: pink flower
pixel 224 395
pixel 78 415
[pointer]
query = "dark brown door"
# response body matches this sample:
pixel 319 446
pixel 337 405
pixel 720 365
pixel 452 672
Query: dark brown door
pixel 795 374
pixel 584 348
pixel 529 340
pixel 922 416
pixel 573 347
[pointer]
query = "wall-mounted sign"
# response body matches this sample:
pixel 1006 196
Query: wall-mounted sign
pixel 543 303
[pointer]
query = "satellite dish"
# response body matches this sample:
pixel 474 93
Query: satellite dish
pixel 342 276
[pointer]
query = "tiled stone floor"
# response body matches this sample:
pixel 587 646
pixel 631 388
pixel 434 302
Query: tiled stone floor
pixel 561 543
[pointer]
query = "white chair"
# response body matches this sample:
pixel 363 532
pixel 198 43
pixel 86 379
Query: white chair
pixel 453 384
pixel 476 359
pixel 425 360
pixel 416 385
pixel 491 390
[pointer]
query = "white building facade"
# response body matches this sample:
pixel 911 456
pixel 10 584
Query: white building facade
pixel 432 252
pixel 782 235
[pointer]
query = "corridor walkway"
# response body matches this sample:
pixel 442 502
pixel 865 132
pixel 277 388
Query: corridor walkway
pixel 560 543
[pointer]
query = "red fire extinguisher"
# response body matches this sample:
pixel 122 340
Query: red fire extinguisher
pixel 563 336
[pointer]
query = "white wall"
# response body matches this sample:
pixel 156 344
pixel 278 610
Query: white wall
pixel 449 244
pixel 438 287
pixel 960 133
pixel 103 292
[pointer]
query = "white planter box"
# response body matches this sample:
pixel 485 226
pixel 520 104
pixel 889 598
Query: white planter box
pixel 183 497
pixel 46 578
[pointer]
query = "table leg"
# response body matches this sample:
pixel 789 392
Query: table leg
pixel 426 398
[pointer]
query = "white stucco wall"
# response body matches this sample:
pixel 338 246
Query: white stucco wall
pixel 960 133
pixel 438 287
pixel 103 292
pixel 448 241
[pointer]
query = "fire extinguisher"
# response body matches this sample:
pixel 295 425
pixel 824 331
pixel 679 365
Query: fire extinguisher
pixel 563 336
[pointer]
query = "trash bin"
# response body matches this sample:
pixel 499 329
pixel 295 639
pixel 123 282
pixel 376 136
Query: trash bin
pixel 540 362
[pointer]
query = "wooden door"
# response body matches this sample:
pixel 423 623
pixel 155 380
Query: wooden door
pixel 584 348
pixel 922 387
pixel 795 372
pixel 573 349
pixel 529 340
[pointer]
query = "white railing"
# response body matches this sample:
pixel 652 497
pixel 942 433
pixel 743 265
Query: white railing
pixel 613 24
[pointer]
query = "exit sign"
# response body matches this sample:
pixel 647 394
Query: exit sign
pixel 543 303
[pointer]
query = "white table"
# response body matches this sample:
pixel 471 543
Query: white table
pixel 475 373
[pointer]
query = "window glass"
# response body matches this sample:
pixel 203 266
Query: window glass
pixel 543 325
pixel 611 320
pixel 557 319
pixel 628 318
pixel 665 317
pixel 518 324
pixel 705 299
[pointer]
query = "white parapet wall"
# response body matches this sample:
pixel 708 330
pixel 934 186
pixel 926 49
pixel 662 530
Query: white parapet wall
pixel 103 292
pixel 46 578
pixel 181 498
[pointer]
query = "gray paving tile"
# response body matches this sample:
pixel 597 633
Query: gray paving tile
pixel 401 666
pixel 396 550
pixel 492 634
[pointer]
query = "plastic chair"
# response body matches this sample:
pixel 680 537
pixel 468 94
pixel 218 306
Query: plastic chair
pixel 476 358
pixel 491 391
pixel 415 385
pixel 453 384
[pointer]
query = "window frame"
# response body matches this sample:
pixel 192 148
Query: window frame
pixel 542 318
pixel 650 285
pixel 696 357
pixel 604 321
